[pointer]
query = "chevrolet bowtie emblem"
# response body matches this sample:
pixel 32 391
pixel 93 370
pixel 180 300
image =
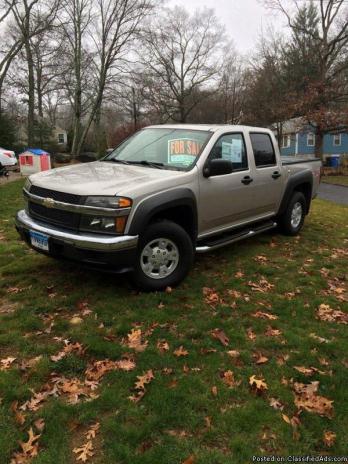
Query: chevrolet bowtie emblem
pixel 49 202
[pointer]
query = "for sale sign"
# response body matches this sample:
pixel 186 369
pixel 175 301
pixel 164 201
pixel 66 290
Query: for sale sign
pixel 183 151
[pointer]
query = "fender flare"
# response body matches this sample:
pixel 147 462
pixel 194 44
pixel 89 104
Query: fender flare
pixel 161 202
pixel 295 181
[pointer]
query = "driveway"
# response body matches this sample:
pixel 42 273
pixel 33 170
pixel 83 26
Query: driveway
pixel 333 193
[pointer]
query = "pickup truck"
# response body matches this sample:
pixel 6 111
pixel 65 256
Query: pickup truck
pixel 164 194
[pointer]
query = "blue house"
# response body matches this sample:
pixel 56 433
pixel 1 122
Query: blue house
pixel 299 139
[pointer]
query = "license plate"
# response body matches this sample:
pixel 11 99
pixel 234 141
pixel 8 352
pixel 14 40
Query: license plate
pixel 39 240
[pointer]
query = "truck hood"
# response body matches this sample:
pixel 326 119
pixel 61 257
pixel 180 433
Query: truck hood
pixel 101 178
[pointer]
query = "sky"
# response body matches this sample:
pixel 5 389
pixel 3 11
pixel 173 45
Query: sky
pixel 244 19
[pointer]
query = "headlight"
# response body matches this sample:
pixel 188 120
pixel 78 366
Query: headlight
pixel 109 202
pixel 103 225
pixel 27 185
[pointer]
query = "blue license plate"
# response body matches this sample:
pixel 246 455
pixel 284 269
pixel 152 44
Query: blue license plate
pixel 39 240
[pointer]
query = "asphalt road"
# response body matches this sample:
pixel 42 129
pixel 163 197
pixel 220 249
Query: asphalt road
pixel 333 193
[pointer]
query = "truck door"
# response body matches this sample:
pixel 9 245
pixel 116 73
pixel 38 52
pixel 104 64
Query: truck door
pixel 267 182
pixel 227 200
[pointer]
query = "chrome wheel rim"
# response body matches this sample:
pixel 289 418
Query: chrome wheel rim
pixel 296 215
pixel 159 258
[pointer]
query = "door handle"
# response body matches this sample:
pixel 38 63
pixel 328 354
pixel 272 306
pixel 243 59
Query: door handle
pixel 247 180
pixel 276 175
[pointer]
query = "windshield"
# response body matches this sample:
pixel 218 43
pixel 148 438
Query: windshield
pixel 161 148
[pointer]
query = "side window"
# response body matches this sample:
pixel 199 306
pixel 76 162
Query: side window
pixel 231 147
pixel 263 150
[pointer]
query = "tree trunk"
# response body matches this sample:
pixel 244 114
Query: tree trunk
pixel 319 139
pixel 31 93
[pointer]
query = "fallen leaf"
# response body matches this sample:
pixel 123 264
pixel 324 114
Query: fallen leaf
pixel 92 431
pixel 229 380
pixel 270 332
pixel 260 359
pixel 162 346
pixel 308 371
pixel 329 438
pixel 190 460
pixel 144 380
pixel 181 352
pixel 264 315
pixel 307 399
pixel 328 314
pixel 276 404
pixel 84 452
pixel 19 416
pixel 214 390
pixel 250 334
pixel 258 385
pixel 233 354
pixel 134 340
pixel 6 363
pixel 76 320
pixel 220 335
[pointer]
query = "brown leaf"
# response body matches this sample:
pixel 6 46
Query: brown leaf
pixel 135 340
pixel 308 371
pixel 233 354
pixel 229 380
pixel 260 359
pixel 39 424
pixel 276 404
pixel 329 438
pixel 307 399
pixel 84 452
pixel 239 275
pixel 262 286
pixel 328 314
pixel 258 385
pixel 6 363
pixel 221 336
pixel 207 421
pixel 19 417
pixel 270 332
pixel 181 352
pixel 264 315
pixel 211 297
pixel 214 390
pixel 162 346
pixel 251 334
pixel 190 460
pixel 92 431
pixel 144 380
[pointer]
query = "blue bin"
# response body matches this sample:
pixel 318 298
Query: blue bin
pixel 334 161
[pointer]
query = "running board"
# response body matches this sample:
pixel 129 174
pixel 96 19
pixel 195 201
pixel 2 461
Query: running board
pixel 212 244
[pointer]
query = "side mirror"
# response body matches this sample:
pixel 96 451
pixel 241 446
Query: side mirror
pixel 217 167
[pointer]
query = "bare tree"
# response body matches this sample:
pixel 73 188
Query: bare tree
pixel 116 26
pixel 32 18
pixel 75 22
pixel 9 50
pixel 181 54
pixel 231 87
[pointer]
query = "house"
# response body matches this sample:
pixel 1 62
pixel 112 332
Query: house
pixel 298 138
pixel 52 135
pixel 60 136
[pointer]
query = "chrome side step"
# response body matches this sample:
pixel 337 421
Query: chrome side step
pixel 219 243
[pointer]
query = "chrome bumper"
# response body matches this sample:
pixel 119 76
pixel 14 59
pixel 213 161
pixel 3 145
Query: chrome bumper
pixel 85 241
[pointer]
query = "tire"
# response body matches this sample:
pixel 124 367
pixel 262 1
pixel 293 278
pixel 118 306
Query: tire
pixel 291 222
pixel 154 269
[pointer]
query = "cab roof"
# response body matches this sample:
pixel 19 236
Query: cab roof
pixel 207 127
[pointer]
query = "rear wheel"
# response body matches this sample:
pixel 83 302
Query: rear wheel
pixel 291 222
pixel 164 258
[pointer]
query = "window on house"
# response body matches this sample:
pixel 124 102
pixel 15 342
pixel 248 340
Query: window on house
pixel 310 139
pixel 337 140
pixel 263 150
pixel 61 138
pixel 286 141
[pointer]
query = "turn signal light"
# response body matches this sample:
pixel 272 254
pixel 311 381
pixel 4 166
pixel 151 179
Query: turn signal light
pixel 124 202
pixel 120 224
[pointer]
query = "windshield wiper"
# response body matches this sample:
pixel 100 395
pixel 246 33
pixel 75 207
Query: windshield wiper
pixel 115 160
pixel 152 164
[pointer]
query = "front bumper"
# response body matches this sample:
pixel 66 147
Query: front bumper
pixel 117 252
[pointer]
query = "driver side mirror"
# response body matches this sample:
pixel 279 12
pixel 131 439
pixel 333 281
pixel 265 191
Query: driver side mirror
pixel 217 167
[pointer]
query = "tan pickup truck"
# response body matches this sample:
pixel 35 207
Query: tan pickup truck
pixel 164 194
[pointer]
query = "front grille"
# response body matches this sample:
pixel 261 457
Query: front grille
pixel 58 196
pixel 56 217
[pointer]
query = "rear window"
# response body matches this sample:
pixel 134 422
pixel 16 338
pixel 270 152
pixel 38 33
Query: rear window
pixel 263 150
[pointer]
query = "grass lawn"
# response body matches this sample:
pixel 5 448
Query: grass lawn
pixel 338 180
pixel 168 387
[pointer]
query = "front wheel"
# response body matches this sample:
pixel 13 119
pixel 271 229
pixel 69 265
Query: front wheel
pixel 164 258
pixel 292 220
